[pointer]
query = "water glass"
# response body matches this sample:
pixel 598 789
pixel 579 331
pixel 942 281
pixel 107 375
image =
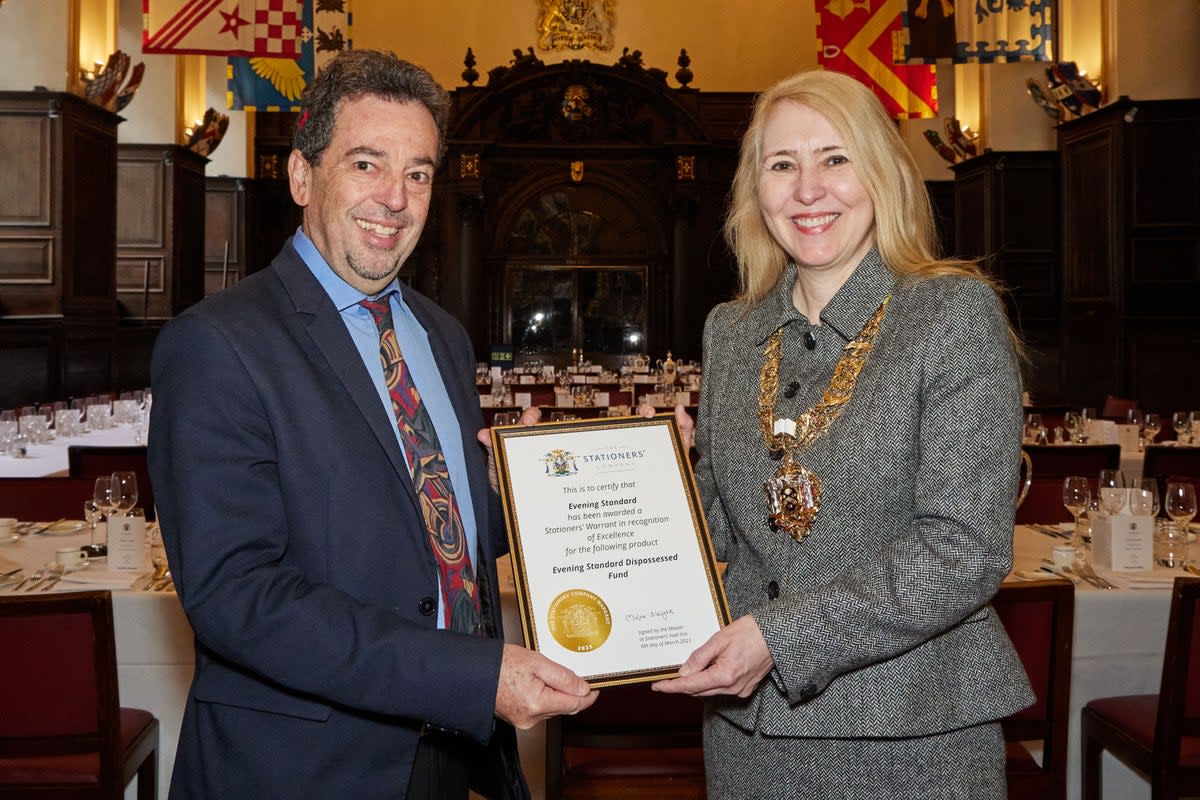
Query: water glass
pixel 99 416
pixel 64 425
pixel 1170 544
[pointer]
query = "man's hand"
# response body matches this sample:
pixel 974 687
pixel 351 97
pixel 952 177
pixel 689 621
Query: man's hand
pixel 733 661
pixel 529 416
pixel 533 688
pixel 687 425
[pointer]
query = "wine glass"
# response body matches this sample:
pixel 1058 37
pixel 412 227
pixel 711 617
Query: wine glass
pixel 1181 503
pixel 1151 425
pixel 1074 424
pixel 91 513
pixel 1076 496
pixel 1111 488
pixel 124 491
pixel 102 499
pixel 1033 426
pixel 1181 421
pixel 1143 498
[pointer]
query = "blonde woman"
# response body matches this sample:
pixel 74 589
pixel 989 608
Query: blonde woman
pixel 859 433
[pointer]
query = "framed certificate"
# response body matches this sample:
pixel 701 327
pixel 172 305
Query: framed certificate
pixel 612 561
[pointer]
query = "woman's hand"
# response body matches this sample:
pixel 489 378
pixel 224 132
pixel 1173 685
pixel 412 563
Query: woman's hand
pixel 734 661
pixel 687 425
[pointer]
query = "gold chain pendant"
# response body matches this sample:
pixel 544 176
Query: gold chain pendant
pixel 794 494
pixel 793 498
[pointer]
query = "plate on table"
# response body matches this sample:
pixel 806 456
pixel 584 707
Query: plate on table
pixel 65 528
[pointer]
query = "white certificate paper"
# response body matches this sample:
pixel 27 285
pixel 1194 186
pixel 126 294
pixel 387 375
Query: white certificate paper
pixel 611 555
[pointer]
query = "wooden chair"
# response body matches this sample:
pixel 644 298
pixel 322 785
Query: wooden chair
pixel 63 733
pixel 1052 463
pixel 1040 619
pixel 44 499
pixel 1172 464
pixel 92 461
pixel 1158 735
pixel 632 743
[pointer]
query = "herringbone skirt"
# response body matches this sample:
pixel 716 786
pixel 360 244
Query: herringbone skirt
pixel 966 764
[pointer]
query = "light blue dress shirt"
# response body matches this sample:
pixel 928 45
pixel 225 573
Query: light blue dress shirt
pixel 414 344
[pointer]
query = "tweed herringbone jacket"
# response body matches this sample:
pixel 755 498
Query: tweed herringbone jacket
pixel 878 621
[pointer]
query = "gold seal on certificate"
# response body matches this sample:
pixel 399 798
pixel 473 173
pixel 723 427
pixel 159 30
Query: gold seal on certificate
pixel 579 620
pixel 612 562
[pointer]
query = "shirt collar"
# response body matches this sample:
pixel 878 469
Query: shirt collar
pixel 341 293
pixel 847 311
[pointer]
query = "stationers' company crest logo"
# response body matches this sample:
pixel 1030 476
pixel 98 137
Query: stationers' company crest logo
pixel 560 463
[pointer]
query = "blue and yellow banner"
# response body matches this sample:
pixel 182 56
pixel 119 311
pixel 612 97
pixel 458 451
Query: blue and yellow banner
pixel 275 84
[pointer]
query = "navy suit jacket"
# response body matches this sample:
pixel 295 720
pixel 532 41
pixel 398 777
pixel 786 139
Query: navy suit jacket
pixel 299 554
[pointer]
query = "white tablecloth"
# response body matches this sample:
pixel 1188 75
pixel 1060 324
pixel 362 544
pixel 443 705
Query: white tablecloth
pixel 1118 649
pixel 51 459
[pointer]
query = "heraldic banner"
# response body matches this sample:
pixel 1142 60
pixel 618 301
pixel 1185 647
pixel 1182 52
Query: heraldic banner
pixel 222 27
pixel 864 38
pixel 275 84
pixel 978 31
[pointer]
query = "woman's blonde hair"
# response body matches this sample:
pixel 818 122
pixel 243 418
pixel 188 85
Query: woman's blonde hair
pixel 904 227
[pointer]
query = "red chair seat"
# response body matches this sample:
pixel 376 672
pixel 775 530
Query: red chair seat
pixel 64 733
pixel 1154 733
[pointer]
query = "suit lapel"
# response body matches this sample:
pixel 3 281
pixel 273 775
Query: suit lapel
pixel 328 333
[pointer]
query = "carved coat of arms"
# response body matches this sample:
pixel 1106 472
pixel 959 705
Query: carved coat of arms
pixel 576 24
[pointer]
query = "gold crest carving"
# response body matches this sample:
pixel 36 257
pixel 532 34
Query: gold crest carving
pixel 575 106
pixel 576 171
pixel 576 24
pixel 685 168
pixel 468 165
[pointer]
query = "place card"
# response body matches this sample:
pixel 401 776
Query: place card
pixel 126 544
pixel 1123 542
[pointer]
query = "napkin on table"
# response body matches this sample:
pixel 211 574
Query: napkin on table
pixel 7 565
pixel 1157 578
pixel 97 580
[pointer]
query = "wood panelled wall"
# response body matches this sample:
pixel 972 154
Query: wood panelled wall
pixel 58 165
pixel 1098 242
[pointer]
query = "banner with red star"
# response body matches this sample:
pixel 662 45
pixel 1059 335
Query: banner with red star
pixel 272 28
pixel 864 39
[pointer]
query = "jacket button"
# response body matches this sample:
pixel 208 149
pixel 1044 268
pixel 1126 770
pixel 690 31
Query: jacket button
pixel 808 691
pixel 427 606
pixel 772 590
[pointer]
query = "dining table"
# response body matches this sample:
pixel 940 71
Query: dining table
pixel 1118 644
pixel 50 458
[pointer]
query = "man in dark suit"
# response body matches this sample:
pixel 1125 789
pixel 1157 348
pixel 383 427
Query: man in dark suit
pixel 324 501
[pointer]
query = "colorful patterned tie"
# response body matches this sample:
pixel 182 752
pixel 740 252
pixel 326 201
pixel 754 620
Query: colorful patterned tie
pixel 460 594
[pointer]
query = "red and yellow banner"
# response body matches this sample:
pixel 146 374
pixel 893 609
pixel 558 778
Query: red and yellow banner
pixel 223 27
pixel 862 38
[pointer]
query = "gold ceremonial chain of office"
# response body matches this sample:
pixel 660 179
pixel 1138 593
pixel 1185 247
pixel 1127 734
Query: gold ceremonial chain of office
pixel 794 494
